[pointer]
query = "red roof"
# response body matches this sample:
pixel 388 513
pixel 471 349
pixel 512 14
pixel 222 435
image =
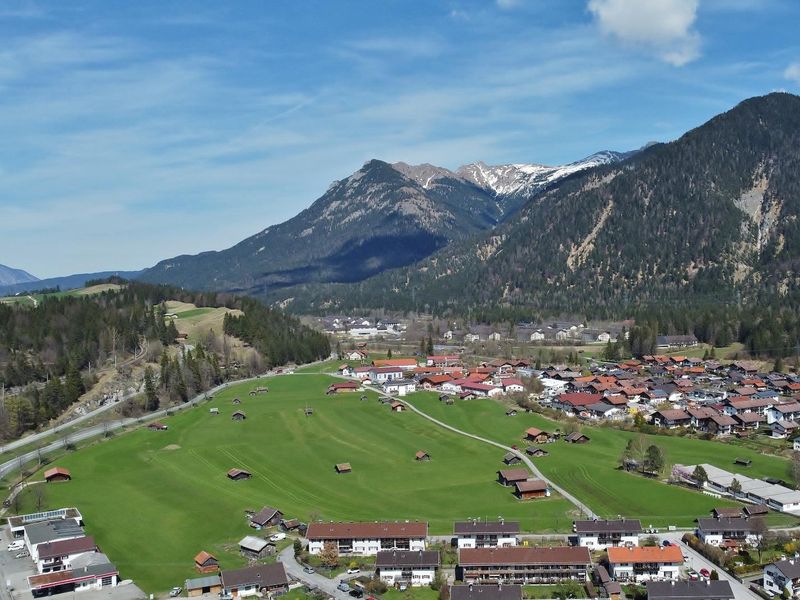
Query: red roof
pixel 645 554
pixel 57 471
pixel 395 362
pixel 369 530
pixel 580 398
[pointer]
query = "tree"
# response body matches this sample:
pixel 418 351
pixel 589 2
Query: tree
pixel 627 454
pixel 654 459
pixel 151 402
pixel 699 475
pixel 714 575
pixel 736 486
pixel 778 366
pixel 39 497
pixel 758 527
pixel 567 589
pixel 389 353
pixel 329 555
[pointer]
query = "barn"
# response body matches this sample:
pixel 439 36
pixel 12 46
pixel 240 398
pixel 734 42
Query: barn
pixel 57 474
pixel 206 562
pixel 239 474
pixel 531 488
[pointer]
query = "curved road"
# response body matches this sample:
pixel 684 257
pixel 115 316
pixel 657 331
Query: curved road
pixel 528 462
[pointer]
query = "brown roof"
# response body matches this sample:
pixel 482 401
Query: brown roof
pixel 533 431
pixel 203 557
pixel 66 547
pixel 235 472
pixel 265 515
pixel 532 485
pixel 645 554
pixel 343 467
pixel 407 558
pixel 421 454
pixel 521 555
pixel 368 530
pixel 56 471
pixel 514 474
pixel 263 575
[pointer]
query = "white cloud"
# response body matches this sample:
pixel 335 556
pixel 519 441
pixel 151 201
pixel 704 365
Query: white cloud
pixel 665 27
pixel 792 72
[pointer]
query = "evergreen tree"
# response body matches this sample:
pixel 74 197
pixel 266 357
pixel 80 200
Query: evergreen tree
pixel 150 393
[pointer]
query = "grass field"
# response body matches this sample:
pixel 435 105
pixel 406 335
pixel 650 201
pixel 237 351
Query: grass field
pixel 154 499
pixel 590 471
pixel 197 322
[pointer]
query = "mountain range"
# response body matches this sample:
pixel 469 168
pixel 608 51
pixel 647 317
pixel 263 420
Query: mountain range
pixel 381 217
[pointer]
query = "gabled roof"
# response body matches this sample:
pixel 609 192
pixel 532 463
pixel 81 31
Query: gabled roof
pixel 486 592
pixel 532 485
pixel 407 558
pixel 366 530
pixel 522 555
pixel 606 526
pixel 485 527
pixel 689 590
pixel 261 575
pixel 645 554
pixel 66 547
pixel 265 515
pixel 203 557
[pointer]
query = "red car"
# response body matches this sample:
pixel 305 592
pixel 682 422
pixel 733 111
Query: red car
pixel 705 573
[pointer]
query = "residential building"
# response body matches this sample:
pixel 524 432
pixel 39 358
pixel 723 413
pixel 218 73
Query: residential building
pixel 367 538
pixel 645 563
pixel 689 590
pixel 410 567
pixel 485 534
pixel 496 591
pixel 519 564
pixel 783 575
pixel 714 531
pixel 256 580
pixel 58 555
pixel 600 534
pixel 91 571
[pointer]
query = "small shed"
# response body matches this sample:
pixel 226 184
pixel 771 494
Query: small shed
pixel 343 468
pixel 266 517
pixel 364 397
pixel 213 411
pixel 531 488
pixel 157 426
pixel 397 406
pixel 511 412
pixel 57 474
pixel 203 585
pixel 742 462
pixel 239 474
pixel 536 435
pixel 576 437
pixel 236 401
pixel 421 455
pixel 206 562
pixel 290 524
pixel 238 416
pixel 536 452
pixel 511 459
pixel 309 411
pixel 254 547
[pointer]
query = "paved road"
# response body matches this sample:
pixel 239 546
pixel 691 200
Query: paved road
pixel 697 561
pixel 585 510
pixel 312 580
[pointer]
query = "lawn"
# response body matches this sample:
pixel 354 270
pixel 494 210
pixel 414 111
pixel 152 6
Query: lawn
pixel 548 591
pixel 590 471
pixel 414 593
pixel 153 499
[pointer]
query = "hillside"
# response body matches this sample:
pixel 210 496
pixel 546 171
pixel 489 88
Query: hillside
pixel 381 217
pixel 9 276
pixel 712 216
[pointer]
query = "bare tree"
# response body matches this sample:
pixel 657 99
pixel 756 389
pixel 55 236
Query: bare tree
pixel 39 497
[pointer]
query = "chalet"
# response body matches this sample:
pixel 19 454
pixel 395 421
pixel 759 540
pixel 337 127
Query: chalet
pixel 689 590
pixel 356 355
pixel 206 563
pixel 536 452
pixel 367 538
pixel 261 580
pixel 345 371
pixel 157 426
pixel 511 458
pixel 600 534
pixel 531 489
pixel 716 531
pixel 430 382
pixel 721 424
pixel 343 468
pixel 266 517
pixel 401 387
pixel 481 389
pixel 575 401
pixel 57 474
pixel 576 437
pixel 254 547
pixel 672 418
pixel 413 568
pixel 645 563
pixel 520 564
pixel 421 455
pixel 200 586
pixel 512 385
pixel 783 429
pixel 60 554
pixel 239 474
pixel 238 416
pixel 444 360
pixel 537 436
pixel 342 387
pixel 510 477
pixel 749 420
pixel 783 412
pixel 782 577
pixel 496 591
pixel 485 534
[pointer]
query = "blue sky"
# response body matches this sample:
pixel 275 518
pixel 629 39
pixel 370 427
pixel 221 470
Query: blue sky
pixel 136 131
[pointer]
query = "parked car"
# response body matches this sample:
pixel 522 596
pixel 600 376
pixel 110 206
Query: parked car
pixel 23 554
pixel 277 537
pixel 16 545
pixel 356 593
pixel 176 591
pixel 705 573
pixel 353 571
pixel 693 576
pixel 308 569
pixel 343 587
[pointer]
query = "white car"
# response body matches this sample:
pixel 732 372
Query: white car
pixel 16 545
pixel 353 571
pixel 277 537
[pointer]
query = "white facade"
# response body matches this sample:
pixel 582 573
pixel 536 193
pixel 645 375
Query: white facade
pixel 594 542
pixel 776 580
pixel 416 577
pixel 367 547
pixel 659 571
pixel 716 538
pixel 473 541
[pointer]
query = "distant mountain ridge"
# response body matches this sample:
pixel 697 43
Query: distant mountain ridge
pixel 713 217
pixel 68 282
pixel 10 276
pixel 381 217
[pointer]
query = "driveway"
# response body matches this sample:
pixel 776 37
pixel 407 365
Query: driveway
pixel 312 580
